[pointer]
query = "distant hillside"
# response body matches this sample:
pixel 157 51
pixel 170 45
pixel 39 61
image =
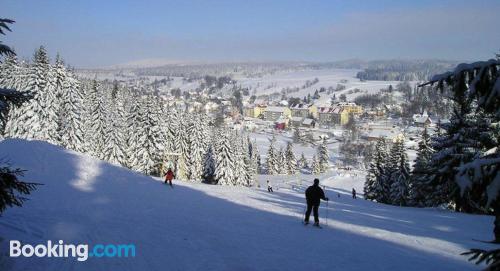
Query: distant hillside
pixel 404 70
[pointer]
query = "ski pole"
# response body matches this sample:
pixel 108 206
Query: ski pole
pixel 303 214
pixel 327 212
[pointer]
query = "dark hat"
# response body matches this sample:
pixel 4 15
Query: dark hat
pixel 316 181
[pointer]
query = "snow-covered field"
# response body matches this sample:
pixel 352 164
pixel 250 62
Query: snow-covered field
pixel 204 227
pixel 327 78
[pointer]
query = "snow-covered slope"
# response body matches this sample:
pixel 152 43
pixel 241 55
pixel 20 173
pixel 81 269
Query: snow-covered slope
pixel 202 227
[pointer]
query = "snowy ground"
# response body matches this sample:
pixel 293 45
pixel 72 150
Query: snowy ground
pixel 327 78
pixel 203 227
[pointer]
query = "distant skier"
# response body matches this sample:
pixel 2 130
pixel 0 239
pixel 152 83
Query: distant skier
pixel 269 187
pixel 169 176
pixel 314 194
pixel 354 193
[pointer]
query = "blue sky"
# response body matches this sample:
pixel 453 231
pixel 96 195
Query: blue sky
pixel 103 33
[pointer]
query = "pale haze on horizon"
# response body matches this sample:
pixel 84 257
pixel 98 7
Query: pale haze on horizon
pixel 107 33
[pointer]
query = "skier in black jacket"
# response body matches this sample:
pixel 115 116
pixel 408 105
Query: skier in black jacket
pixel 314 194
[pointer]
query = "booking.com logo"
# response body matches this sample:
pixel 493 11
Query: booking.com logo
pixel 61 250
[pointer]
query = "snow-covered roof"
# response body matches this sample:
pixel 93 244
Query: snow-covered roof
pixel 307 121
pixel 421 118
pixel 300 106
pixel 260 101
pixel 330 110
pixel 279 109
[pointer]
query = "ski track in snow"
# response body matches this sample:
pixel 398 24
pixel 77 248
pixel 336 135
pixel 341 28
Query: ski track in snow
pixel 204 227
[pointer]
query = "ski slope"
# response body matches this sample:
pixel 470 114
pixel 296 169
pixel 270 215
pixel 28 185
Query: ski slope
pixel 204 227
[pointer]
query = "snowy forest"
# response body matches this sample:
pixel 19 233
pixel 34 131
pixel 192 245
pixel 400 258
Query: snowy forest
pixel 121 126
pixel 457 168
pixel 132 129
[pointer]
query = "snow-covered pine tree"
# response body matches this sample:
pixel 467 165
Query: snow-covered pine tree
pixel 272 162
pixel 38 119
pixel 256 155
pixel 243 177
pixel 315 166
pixel 419 186
pixel 114 151
pixel 291 161
pixel 376 185
pixel 58 75
pixel 71 109
pixel 302 163
pixel 282 163
pixel 197 131
pixel 253 153
pixel 225 160
pixel 170 129
pixel 400 175
pixel 96 124
pixel 114 143
pixel 184 148
pixel 146 160
pixel 209 165
pixel 132 132
pixel 475 130
pixel 322 156
pixel 297 135
pixel 11 77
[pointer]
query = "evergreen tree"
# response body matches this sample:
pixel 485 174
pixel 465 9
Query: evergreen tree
pixel 97 121
pixel 322 156
pixel 291 161
pixel 297 135
pixel 399 191
pixel 38 119
pixel 376 185
pixel 272 158
pixel 302 163
pixel 114 151
pixel 71 110
pixel 184 148
pixel 224 162
pixel 12 189
pixel 132 131
pixel 11 75
pixel 253 154
pixel 419 187
pixel 147 155
pixel 315 166
pixel 197 132
pixel 282 162
pixel 209 166
pixel 467 157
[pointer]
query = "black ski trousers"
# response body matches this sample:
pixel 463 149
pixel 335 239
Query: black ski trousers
pixel 314 208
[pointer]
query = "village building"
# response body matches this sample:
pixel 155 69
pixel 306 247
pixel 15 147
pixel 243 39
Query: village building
pixel 331 116
pixel 273 113
pixel 304 110
pixel 351 108
pixel 422 120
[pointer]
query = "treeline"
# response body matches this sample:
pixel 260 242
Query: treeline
pixel 402 70
pixel 122 126
pixel 284 161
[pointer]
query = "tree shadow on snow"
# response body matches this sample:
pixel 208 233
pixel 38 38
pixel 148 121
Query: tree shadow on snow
pixel 183 228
